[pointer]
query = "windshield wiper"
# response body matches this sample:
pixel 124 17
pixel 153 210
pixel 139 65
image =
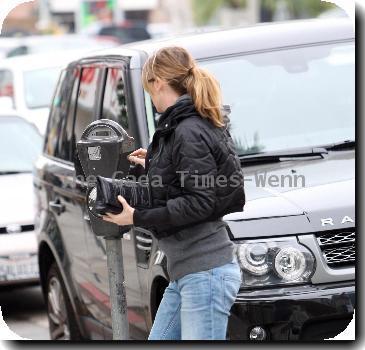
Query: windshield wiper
pixel 283 155
pixel 340 145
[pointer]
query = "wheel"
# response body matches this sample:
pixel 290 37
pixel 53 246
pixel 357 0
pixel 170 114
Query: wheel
pixel 62 322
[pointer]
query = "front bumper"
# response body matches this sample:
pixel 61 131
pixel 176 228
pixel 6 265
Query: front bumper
pixel 294 313
pixel 18 259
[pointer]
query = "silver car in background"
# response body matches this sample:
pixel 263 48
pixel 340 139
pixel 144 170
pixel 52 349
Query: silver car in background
pixel 20 144
pixel 27 83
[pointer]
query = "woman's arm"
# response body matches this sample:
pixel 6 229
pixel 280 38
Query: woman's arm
pixel 196 168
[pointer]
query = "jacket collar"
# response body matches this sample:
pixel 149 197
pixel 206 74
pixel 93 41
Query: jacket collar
pixel 182 109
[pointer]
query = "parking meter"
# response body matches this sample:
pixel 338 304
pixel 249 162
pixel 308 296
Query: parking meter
pixel 103 150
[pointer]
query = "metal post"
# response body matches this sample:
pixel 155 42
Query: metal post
pixel 117 288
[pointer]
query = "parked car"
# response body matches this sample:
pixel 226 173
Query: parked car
pixel 126 32
pixel 290 87
pixel 35 44
pixel 20 144
pixel 6 45
pixel 27 83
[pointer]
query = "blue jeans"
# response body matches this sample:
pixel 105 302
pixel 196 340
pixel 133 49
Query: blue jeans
pixel 197 306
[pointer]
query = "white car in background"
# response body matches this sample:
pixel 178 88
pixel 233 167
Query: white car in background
pixel 27 84
pixel 20 144
pixel 35 44
pixel 7 45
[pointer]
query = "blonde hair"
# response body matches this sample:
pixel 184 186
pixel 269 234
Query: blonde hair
pixel 178 68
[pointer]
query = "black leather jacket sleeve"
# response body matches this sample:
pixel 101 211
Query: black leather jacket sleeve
pixel 196 169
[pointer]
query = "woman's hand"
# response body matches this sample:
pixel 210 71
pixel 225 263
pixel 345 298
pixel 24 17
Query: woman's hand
pixel 138 156
pixel 124 218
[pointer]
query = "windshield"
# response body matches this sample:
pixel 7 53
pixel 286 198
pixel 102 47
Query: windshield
pixel 39 86
pixel 292 98
pixel 126 35
pixel 20 144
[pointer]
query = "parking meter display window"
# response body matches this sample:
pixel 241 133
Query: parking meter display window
pixel 137 194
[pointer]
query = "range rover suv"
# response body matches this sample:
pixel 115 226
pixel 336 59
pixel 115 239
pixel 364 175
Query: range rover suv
pixel 290 88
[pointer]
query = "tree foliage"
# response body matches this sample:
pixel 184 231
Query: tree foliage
pixel 298 8
pixel 204 10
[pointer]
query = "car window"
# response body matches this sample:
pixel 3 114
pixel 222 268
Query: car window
pixel 300 97
pixel 18 51
pixel 7 84
pixel 20 144
pixel 86 102
pixel 66 137
pixel 58 111
pixel 151 115
pixel 126 34
pixel 39 85
pixel 115 101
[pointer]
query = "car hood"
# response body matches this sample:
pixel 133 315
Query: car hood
pixel 321 198
pixel 37 116
pixel 17 199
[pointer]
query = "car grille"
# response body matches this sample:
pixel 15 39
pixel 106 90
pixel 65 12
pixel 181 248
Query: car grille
pixel 338 247
pixel 23 228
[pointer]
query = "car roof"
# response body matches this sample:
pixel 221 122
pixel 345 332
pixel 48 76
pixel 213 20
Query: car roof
pixel 42 60
pixel 245 39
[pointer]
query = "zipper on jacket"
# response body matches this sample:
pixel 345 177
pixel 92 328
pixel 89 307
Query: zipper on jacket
pixel 155 156
pixel 159 150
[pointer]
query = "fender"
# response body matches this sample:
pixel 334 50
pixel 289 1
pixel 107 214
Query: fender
pixel 50 237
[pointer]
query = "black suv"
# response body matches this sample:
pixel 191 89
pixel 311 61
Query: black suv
pixel 291 90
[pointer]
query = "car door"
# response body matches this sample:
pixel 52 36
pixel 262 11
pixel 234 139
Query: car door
pixel 115 105
pixel 84 102
pixel 64 198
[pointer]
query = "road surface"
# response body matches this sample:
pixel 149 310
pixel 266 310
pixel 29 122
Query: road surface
pixel 24 312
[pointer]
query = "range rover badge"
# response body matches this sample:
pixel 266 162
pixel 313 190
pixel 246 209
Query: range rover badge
pixel 329 221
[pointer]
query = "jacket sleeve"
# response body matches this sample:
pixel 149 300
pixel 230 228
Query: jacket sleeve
pixel 196 169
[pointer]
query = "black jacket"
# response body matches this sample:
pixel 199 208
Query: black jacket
pixel 186 158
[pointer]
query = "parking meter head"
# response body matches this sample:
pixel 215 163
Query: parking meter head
pixel 103 149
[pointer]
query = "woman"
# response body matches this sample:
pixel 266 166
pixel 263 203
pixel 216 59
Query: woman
pixel 190 150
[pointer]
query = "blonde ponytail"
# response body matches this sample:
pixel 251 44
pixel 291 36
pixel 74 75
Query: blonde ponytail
pixel 176 66
pixel 205 91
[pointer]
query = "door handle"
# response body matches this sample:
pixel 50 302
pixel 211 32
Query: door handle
pixel 57 207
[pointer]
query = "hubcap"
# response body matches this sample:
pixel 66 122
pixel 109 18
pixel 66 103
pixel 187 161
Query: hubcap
pixel 57 311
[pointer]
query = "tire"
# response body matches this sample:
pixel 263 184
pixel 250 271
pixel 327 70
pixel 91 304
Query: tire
pixel 61 318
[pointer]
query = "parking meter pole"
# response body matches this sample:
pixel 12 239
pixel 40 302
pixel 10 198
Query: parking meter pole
pixel 103 150
pixel 117 289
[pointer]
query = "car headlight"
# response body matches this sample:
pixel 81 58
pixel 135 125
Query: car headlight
pixel 275 261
